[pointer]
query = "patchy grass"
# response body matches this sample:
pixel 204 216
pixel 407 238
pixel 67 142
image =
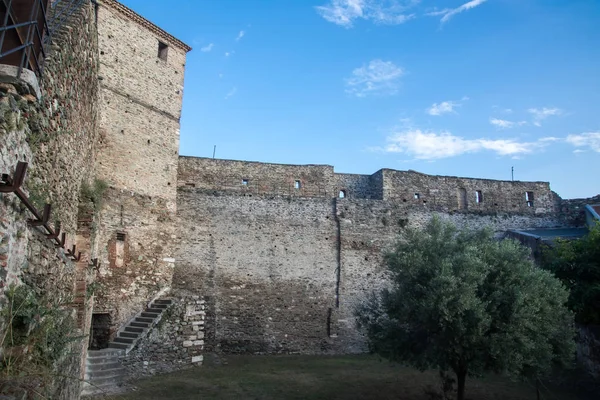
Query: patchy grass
pixel 320 378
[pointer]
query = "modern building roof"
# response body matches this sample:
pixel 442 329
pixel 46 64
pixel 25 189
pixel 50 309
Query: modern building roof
pixel 555 233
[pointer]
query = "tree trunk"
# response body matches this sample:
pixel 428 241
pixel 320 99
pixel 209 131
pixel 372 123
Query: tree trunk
pixel 461 377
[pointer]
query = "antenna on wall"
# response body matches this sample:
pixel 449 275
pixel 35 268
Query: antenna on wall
pixel 214 150
pixel 512 173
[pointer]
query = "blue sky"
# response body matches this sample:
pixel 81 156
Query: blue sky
pixel 448 87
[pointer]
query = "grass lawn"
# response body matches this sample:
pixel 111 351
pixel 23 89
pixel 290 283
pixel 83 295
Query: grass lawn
pixel 317 377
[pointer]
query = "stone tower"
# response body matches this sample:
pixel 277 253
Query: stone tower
pixel 141 88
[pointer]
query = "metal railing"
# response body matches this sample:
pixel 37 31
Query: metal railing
pixel 26 30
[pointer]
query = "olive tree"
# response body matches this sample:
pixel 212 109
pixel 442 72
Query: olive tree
pixel 462 301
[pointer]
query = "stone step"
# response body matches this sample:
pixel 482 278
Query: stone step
pixel 163 301
pixel 149 315
pixel 126 340
pixel 129 335
pixel 139 324
pixel 103 366
pixel 159 306
pixel 144 319
pixel 116 345
pixel 94 376
pixel 102 360
pixel 134 329
pixel 100 384
pixel 104 353
pixel 154 310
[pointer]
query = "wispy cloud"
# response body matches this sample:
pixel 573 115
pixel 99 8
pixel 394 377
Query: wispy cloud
pixel 448 13
pixel 240 36
pixel 589 139
pixel 207 48
pixel 540 114
pixel 229 53
pixel 429 145
pixel 231 93
pixel 504 124
pixel 445 107
pixel 377 78
pixel 345 12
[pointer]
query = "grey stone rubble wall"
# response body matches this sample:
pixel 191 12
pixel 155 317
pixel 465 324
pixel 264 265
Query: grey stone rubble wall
pixel 422 191
pixel 176 342
pixel 262 178
pixel 282 274
pixel 56 135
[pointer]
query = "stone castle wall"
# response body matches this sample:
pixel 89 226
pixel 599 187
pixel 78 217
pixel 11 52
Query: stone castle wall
pixel 141 95
pixel 282 267
pixel 56 135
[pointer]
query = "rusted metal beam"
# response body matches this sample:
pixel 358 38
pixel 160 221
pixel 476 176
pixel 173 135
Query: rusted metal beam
pixel 13 185
pixel 45 217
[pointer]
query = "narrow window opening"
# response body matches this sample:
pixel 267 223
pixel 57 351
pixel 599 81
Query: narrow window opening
pixel 163 50
pixel 478 197
pixel 297 184
pixel 529 199
pixel 245 182
pixel 417 196
pixel 191 184
pixel 121 236
pixel 342 194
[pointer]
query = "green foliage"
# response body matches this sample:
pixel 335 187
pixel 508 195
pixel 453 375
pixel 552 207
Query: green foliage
pixel 465 302
pixel 93 193
pixel 577 264
pixel 37 335
pixel 92 288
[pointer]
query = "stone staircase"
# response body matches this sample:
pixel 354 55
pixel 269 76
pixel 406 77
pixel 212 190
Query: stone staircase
pixel 104 372
pixel 137 328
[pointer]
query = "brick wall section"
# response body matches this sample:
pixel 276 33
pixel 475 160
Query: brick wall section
pixel 147 259
pixel 141 96
pixel 57 136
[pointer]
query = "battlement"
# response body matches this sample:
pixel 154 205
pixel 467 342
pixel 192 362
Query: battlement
pixel 410 188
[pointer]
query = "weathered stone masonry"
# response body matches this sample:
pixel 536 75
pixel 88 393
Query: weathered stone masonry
pixel 283 252
pixel 56 135
pixel 141 90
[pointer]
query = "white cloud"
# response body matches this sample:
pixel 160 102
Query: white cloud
pixel 428 145
pixel 231 93
pixel 590 139
pixel 240 35
pixel 448 13
pixel 345 12
pixel 504 124
pixel 207 48
pixel 229 53
pixel 445 107
pixel 541 114
pixel 378 77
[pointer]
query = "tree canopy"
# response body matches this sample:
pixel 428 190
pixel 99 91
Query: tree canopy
pixel 462 301
pixel 577 264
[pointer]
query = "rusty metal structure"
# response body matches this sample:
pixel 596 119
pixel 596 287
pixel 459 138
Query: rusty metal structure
pixel 26 29
pixel 13 184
